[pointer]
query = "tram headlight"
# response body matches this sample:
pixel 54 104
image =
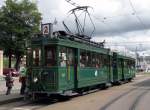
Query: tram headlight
pixel 35 79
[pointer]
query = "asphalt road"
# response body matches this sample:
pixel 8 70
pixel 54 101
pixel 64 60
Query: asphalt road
pixel 130 96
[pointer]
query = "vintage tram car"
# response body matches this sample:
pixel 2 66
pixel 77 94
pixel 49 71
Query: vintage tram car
pixel 63 63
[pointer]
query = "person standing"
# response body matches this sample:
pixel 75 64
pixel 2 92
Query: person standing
pixel 9 82
pixel 22 78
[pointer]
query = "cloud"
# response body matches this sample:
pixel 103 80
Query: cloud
pixel 133 41
pixel 111 17
pixel 115 20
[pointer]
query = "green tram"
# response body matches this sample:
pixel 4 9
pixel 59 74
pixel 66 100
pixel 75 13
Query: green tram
pixel 64 64
pixel 123 68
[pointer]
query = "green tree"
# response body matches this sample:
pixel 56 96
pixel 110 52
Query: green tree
pixel 19 21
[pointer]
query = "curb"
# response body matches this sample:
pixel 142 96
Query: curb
pixel 11 100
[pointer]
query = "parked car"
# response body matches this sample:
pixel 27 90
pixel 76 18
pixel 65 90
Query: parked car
pixel 14 72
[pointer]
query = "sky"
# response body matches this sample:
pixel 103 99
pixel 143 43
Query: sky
pixel 121 23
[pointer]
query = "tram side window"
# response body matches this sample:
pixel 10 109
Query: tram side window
pixel 93 59
pixel 97 61
pixel 50 56
pixel 133 64
pixel 120 64
pixel 89 58
pixel 36 57
pixel 114 63
pixel 82 58
pixel 125 63
pixel 129 64
pixel 62 57
pixel 105 60
pixel 66 57
pixel 101 61
pixel 110 61
pixel 29 54
pixel 70 54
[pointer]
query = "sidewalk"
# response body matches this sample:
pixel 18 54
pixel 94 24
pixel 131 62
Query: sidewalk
pixel 15 88
pixel 14 96
pixel 4 99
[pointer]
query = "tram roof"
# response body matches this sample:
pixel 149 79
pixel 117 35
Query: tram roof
pixel 73 42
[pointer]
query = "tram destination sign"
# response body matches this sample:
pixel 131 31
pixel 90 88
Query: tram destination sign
pixel 47 29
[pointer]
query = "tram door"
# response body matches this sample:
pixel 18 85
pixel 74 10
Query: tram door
pixel 67 69
pixel 122 67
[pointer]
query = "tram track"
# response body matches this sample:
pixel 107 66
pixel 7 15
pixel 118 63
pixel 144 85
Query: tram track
pixel 135 86
pixel 137 100
pixel 117 98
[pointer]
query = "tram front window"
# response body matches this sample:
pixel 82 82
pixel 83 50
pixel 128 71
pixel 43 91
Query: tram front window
pixel 36 57
pixel 50 56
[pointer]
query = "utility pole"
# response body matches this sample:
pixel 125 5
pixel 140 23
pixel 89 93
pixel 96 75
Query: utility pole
pixel 136 53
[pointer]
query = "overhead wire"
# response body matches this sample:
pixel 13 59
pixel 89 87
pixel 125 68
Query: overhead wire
pixel 128 43
pixel 135 13
pixel 92 23
pixel 104 20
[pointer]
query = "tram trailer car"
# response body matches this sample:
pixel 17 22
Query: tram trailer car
pixel 62 65
pixel 123 68
pixel 128 68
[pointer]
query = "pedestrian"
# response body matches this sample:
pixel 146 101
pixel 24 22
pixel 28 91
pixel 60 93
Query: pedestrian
pixel 9 82
pixel 22 78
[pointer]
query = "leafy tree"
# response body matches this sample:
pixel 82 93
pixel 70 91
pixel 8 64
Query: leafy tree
pixel 19 20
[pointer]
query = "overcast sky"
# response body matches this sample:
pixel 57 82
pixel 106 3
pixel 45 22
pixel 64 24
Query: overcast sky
pixel 115 20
